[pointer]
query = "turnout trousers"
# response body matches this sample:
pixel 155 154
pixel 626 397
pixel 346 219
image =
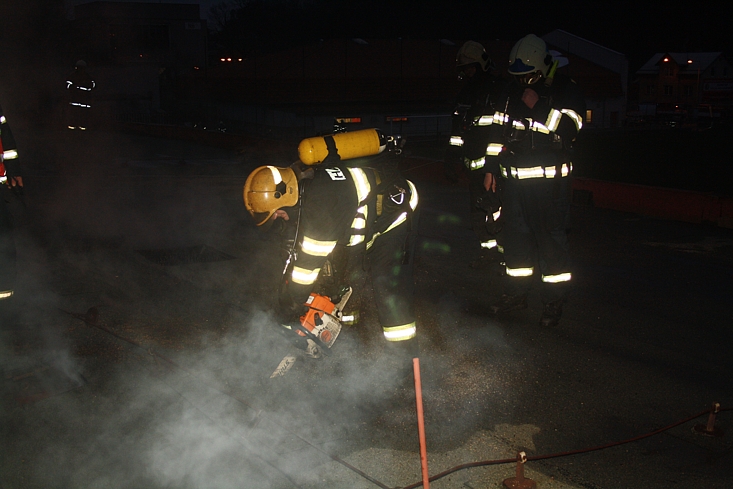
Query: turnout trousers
pixel 388 263
pixel 536 220
pixel 482 223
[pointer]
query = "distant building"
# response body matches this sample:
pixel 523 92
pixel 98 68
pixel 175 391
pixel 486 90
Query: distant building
pixel 405 86
pixel 168 34
pixel 134 47
pixel 680 86
pixel 601 73
pixel 151 56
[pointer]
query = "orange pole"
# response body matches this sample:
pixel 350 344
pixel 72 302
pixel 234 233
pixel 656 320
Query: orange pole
pixel 421 423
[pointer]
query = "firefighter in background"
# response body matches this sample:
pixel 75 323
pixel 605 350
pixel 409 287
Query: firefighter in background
pixel 9 175
pixel 544 113
pixel 342 207
pixel 79 86
pixel 471 121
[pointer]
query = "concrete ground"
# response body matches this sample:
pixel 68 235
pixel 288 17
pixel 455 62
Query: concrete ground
pixel 138 350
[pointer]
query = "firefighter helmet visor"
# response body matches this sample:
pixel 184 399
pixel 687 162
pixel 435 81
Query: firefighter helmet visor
pixel 528 78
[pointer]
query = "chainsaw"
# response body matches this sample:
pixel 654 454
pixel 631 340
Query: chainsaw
pixel 320 326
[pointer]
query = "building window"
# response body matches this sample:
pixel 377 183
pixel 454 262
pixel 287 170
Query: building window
pixel 589 116
pixel 668 89
pixel 688 90
pixel 651 89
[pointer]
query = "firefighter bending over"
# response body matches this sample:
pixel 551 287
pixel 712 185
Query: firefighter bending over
pixel 342 205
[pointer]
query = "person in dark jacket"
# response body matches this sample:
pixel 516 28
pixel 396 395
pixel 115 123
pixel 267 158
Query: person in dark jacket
pixel 544 113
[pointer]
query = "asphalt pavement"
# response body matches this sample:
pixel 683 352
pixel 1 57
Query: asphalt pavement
pixel 139 347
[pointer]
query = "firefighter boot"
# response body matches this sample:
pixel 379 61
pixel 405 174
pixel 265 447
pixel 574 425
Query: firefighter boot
pixel 403 351
pixel 551 313
pixel 401 386
pixel 507 303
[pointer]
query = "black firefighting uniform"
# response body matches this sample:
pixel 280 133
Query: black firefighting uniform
pixel 360 208
pixel 7 244
pixel 471 121
pixel 535 166
pixel 79 86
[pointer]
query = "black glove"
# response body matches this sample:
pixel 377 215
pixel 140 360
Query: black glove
pixel 489 202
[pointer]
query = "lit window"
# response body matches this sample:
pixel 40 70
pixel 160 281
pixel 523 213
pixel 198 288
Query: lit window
pixel 348 120
pixel 589 116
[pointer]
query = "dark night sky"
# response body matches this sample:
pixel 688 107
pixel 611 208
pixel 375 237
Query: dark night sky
pixel 636 29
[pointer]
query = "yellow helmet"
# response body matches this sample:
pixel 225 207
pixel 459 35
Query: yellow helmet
pixel 473 52
pixel 267 189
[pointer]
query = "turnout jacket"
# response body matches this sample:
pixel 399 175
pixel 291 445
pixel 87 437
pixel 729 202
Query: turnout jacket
pixel 469 128
pixel 535 143
pixel 80 86
pixel 342 204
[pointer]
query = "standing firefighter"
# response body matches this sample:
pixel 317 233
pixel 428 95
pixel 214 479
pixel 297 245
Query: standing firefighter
pixel 79 86
pixel 9 175
pixel 542 118
pixel 341 204
pixel 471 123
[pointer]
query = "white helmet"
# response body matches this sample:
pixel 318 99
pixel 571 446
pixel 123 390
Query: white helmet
pixel 473 52
pixel 529 57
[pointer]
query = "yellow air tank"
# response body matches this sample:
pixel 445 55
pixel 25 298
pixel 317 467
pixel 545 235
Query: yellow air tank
pixel 346 145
